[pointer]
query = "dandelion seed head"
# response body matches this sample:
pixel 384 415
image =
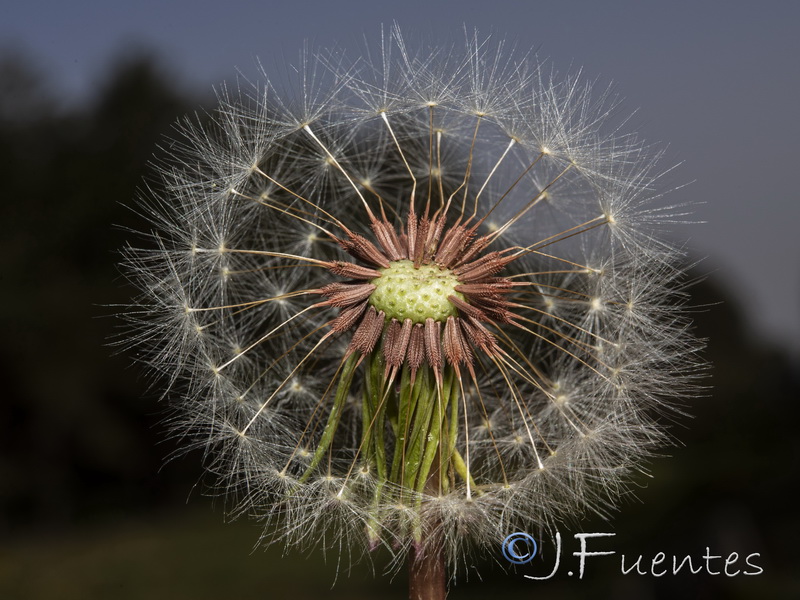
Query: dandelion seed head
pixel 421 304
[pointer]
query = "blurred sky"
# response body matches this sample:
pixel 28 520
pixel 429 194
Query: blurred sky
pixel 719 82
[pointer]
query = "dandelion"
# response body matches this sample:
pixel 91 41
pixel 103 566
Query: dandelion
pixel 419 305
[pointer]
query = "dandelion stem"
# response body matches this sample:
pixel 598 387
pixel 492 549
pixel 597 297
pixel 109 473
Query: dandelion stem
pixel 426 566
pixel 426 573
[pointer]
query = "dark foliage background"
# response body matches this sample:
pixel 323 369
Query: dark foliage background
pixel 86 509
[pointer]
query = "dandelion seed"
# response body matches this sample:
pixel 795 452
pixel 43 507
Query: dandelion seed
pixel 410 316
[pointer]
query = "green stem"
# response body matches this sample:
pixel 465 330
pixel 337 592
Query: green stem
pixel 409 395
pixel 437 430
pixel 342 390
pixel 373 416
pixel 422 432
pixel 373 423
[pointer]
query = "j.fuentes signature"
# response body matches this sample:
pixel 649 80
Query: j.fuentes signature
pixel 520 548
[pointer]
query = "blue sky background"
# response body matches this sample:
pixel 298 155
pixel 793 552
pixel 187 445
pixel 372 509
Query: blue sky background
pixel 718 82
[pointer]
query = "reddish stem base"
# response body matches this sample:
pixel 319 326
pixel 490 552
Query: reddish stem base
pixel 426 574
